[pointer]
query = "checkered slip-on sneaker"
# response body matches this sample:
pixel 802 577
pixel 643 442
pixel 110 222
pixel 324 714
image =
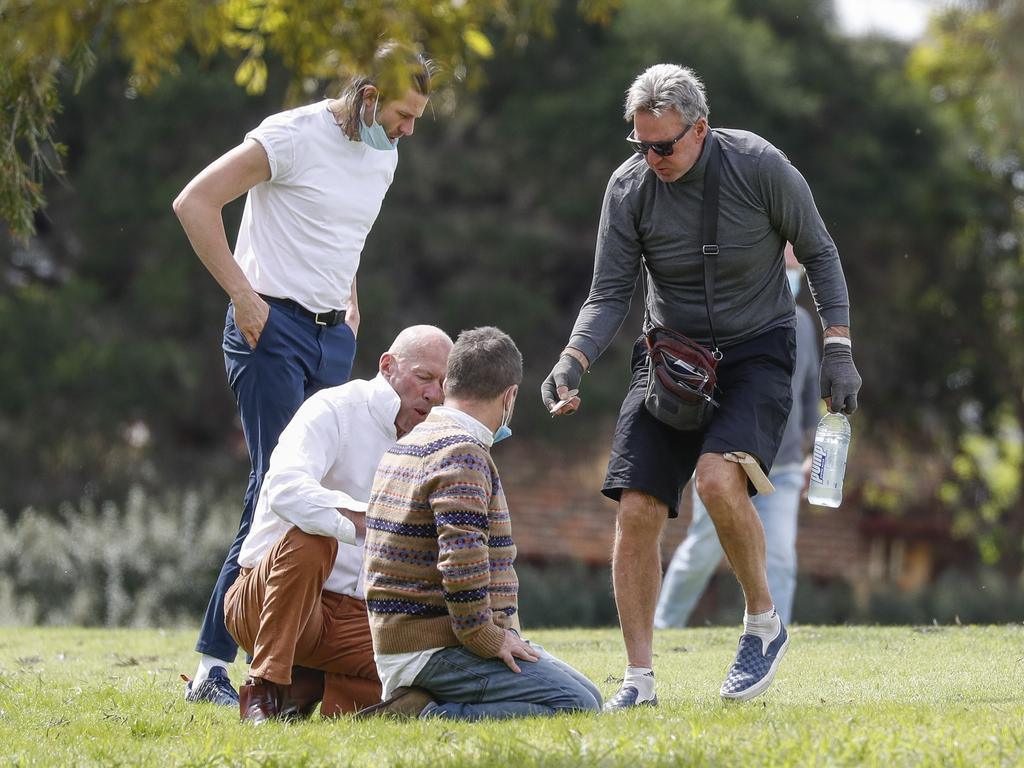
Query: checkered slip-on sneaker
pixel 755 666
pixel 627 698
pixel 215 689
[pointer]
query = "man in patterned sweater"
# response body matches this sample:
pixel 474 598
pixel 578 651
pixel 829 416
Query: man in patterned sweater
pixel 441 589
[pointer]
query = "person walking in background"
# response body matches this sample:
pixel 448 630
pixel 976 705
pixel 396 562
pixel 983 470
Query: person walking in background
pixel 298 601
pixel 315 179
pixel 654 215
pixel 441 585
pixel 699 554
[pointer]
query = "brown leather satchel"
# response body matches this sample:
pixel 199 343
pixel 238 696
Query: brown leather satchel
pixel 681 376
pixel 681 380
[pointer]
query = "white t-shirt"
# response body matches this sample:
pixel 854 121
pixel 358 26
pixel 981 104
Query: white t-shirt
pixel 303 231
pixel 325 459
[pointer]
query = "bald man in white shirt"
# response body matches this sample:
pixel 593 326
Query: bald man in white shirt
pixel 298 605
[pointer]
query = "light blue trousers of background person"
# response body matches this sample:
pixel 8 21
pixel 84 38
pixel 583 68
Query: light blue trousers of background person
pixel 467 687
pixel 698 556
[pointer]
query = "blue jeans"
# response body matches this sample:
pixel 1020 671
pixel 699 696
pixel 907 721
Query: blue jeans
pixel 293 358
pixel 699 554
pixel 467 687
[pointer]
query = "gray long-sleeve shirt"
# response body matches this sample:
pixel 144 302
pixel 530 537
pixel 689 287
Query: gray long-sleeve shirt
pixel 764 201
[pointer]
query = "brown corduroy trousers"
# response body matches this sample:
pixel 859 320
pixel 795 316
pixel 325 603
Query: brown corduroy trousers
pixel 280 613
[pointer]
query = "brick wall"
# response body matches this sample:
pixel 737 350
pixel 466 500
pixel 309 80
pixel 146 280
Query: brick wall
pixel 558 513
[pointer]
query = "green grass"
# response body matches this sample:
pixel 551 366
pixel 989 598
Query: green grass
pixel 949 696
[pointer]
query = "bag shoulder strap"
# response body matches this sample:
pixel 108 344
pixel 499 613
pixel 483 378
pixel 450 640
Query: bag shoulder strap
pixel 709 240
pixel 709 232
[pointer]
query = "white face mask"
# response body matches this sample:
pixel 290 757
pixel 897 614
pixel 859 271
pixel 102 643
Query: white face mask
pixel 374 135
pixel 795 278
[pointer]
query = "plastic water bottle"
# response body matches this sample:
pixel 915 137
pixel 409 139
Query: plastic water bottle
pixel 828 465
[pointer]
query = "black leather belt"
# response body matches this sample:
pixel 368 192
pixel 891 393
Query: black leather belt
pixel 330 318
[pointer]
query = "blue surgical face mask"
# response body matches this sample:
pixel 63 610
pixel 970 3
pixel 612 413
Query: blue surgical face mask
pixel 374 135
pixel 795 278
pixel 505 430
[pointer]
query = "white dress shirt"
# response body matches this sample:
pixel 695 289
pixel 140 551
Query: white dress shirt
pixel 325 459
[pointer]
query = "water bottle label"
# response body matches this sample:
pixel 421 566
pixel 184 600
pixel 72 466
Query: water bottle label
pixel 823 464
pixel 818 464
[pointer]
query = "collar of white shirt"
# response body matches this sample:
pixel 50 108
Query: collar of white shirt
pixel 384 405
pixel 469 423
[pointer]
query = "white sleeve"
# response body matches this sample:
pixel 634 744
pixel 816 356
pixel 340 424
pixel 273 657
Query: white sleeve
pixel 307 448
pixel 277 141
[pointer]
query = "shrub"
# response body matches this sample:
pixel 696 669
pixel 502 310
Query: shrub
pixel 151 560
pixel 145 562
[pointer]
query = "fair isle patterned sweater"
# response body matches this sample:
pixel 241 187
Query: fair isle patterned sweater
pixel 439 553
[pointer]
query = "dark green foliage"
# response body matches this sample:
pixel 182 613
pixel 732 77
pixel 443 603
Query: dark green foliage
pixel 984 598
pixel 110 320
pixel 817 601
pixel 111 373
pixel 566 595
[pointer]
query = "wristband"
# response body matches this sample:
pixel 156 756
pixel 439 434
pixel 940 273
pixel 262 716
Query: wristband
pixel 575 354
pixel 839 340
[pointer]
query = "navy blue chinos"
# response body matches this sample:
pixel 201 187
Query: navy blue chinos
pixel 293 358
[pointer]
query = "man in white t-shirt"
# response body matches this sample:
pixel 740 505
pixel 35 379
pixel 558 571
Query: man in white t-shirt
pixel 298 605
pixel 316 177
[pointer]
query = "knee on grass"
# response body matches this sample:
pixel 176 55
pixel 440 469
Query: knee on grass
pixel 579 700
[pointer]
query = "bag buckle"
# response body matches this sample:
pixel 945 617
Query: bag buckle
pixel 710 250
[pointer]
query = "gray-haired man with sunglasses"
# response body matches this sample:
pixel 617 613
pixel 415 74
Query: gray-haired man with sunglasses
pixel 653 216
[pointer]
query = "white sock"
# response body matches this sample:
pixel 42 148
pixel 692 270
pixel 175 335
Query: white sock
pixel 206 663
pixel 765 625
pixel 641 678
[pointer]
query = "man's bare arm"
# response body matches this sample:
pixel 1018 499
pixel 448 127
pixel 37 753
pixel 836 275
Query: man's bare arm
pixel 199 208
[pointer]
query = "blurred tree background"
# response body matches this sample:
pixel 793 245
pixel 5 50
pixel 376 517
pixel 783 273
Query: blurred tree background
pixel 111 376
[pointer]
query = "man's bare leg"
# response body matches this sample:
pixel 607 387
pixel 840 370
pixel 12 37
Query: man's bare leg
pixel 636 577
pixel 722 486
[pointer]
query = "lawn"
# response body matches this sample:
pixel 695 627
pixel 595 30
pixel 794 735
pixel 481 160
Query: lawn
pixel 881 696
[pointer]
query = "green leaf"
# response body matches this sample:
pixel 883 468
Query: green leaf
pixel 478 43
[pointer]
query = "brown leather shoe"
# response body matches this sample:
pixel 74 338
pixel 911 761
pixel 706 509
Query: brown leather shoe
pixel 299 699
pixel 259 700
pixel 407 702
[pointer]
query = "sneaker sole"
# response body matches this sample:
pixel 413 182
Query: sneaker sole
pixel 645 703
pixel 193 696
pixel 761 685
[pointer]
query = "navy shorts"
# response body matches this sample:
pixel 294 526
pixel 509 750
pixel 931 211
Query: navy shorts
pixel 755 394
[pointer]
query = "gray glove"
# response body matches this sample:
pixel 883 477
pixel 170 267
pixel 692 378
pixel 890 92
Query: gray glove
pixel 839 378
pixel 567 373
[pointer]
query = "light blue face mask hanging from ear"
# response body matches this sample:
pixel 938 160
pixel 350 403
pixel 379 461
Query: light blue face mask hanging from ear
pixel 374 135
pixel 504 430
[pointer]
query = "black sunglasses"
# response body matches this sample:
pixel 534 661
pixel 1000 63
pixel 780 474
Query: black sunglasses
pixel 663 148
